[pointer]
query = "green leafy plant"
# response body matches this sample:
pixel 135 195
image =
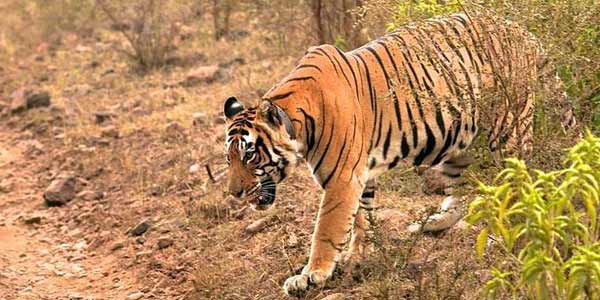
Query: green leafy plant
pixel 545 225
pixel 407 11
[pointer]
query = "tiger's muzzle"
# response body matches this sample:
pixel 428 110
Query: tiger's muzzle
pixel 262 195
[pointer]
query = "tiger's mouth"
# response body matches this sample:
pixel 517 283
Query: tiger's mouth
pixel 262 195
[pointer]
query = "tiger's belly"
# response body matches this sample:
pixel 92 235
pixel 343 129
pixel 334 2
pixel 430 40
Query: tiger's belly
pixel 430 150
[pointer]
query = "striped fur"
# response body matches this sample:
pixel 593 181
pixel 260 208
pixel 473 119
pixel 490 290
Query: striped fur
pixel 418 96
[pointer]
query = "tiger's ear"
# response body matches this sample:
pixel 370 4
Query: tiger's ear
pixel 232 107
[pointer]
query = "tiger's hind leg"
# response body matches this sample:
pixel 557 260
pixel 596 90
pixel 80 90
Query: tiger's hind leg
pixel 437 180
pixel 513 136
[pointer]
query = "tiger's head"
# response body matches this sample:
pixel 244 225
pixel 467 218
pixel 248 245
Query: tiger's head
pixel 261 150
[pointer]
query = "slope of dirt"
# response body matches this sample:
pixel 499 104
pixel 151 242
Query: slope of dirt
pixel 37 259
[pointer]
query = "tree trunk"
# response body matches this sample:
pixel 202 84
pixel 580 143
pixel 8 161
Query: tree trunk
pixel 317 9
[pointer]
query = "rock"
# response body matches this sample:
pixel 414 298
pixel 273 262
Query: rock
pixel 33 220
pixel 219 119
pixel 135 296
pixel 140 228
pixel 195 168
pixel 130 104
pixel 75 296
pixel 33 148
pixel 6 186
pixel 104 115
pixel 117 246
pixel 174 130
pixel 60 191
pixel 204 74
pixel 142 254
pixel 109 132
pixel 90 195
pixel 24 99
pixel 164 242
pixel 82 89
pixel 336 296
pixel 257 225
pixel 199 119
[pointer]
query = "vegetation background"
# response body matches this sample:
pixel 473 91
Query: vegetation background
pixel 136 90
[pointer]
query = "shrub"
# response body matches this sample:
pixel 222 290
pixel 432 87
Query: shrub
pixel 150 28
pixel 546 226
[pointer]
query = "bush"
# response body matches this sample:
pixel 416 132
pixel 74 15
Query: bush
pixel 546 226
pixel 150 28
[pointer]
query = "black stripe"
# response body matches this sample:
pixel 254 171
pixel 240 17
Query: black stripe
pixel 351 71
pixel 351 142
pixel 440 156
pixel 310 136
pixel 322 127
pixel 394 163
pixel 318 165
pixel 405 147
pixel 305 66
pixel 396 104
pixel 368 194
pixel 300 79
pixel 330 60
pixel 386 143
pixel 373 100
pixel 428 147
pixel 337 163
pixel 342 69
pixel 278 97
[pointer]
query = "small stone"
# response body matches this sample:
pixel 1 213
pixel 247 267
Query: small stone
pixel 6 186
pixel 336 296
pixel 257 225
pixel 219 119
pixel 109 132
pixel 140 228
pixel 117 246
pixel 204 74
pixel 33 148
pixel 102 116
pixel 174 130
pixel 33 220
pixel 135 296
pixel 90 195
pixel 143 254
pixel 60 191
pixel 199 119
pixel 292 240
pixel 75 296
pixel 164 242
pixel 24 99
pixel 195 168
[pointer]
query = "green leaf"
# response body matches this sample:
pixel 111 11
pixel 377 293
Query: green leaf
pixel 482 241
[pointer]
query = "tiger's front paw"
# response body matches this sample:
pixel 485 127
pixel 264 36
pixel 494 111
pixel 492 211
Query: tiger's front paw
pixel 298 284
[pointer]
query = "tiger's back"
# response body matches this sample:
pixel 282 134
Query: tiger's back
pixel 419 93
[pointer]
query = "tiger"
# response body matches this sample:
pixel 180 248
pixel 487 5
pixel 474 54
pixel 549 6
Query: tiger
pixel 413 97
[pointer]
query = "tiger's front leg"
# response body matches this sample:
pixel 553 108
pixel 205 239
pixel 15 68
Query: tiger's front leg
pixel 334 224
